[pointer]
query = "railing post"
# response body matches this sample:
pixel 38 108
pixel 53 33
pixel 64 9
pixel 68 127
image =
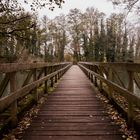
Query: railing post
pixel 110 77
pixel 56 78
pixel 101 86
pixel 56 74
pixel 101 83
pixel 59 72
pixel 92 68
pixel 35 90
pixel 95 79
pixel 51 77
pixel 88 66
pixel 91 77
pixel 46 82
pixel 13 107
pixel 130 106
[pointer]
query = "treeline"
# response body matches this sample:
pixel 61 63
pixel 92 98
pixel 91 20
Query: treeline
pixel 22 34
pixel 25 35
pixel 78 36
pixel 97 38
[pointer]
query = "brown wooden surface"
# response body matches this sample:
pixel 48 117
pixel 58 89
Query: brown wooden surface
pixel 135 67
pixel 6 101
pixel 124 92
pixel 13 67
pixel 72 112
pixel 115 90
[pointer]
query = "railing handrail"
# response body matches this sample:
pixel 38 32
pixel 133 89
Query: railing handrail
pixel 13 67
pixel 135 67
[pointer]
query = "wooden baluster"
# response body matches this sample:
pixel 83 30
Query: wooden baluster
pixel 46 82
pixel 92 74
pixel 56 75
pixel 91 77
pixel 101 83
pixel 35 90
pixel 95 79
pixel 13 106
pixel 51 77
pixel 59 75
pixel 101 86
pixel 59 72
pixel 62 72
pixel 56 78
pixel 86 71
pixel 89 74
pixel 110 77
pixel 130 106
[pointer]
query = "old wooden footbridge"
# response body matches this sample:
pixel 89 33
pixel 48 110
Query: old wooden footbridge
pixel 72 111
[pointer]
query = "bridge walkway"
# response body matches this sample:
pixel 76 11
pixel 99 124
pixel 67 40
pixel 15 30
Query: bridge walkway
pixel 73 112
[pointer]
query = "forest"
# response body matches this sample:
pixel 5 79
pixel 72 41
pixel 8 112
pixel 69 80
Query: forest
pixel 77 36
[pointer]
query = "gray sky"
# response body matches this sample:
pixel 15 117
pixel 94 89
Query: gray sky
pixel 101 5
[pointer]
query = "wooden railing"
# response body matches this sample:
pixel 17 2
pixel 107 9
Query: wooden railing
pixel 20 80
pixel 121 83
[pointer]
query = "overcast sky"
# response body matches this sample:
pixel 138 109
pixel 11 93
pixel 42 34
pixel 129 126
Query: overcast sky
pixel 102 5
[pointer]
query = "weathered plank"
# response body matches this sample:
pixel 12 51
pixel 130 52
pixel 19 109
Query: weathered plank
pixel 96 137
pixel 72 112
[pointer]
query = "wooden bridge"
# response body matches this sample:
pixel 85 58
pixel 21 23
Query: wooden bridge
pixel 72 111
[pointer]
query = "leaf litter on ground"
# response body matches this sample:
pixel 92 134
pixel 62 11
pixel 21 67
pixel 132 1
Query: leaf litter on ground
pixel 128 133
pixel 16 133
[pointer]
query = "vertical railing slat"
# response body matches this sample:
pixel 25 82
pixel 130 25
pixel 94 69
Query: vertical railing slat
pixel 13 107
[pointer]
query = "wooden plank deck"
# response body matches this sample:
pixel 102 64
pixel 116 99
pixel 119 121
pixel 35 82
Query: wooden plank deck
pixel 72 112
